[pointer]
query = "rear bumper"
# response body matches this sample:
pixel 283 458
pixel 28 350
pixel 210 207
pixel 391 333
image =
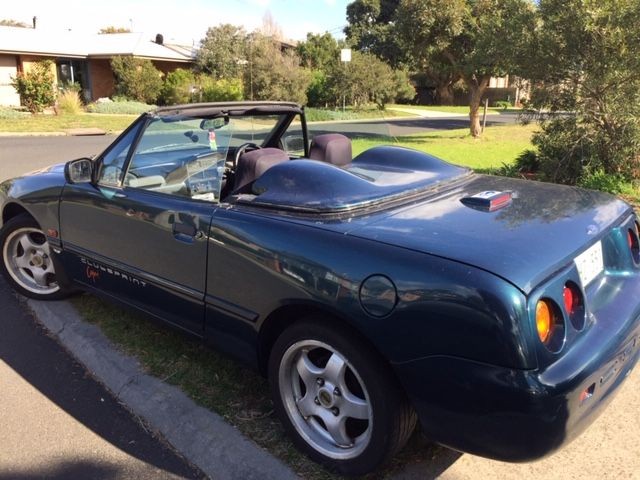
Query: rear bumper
pixel 520 415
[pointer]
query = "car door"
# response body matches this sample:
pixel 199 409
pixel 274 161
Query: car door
pixel 139 232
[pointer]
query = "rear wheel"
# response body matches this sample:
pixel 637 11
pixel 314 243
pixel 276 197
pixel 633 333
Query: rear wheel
pixel 337 398
pixel 26 260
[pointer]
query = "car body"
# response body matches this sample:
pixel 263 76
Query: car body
pixel 503 313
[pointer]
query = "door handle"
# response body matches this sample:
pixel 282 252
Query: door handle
pixel 184 229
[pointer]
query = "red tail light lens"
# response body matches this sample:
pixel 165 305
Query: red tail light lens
pixel 634 246
pixel 574 305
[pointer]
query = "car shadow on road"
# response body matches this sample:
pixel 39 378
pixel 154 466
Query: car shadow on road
pixel 30 352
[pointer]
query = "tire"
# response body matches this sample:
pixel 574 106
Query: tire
pixel 337 398
pixel 26 260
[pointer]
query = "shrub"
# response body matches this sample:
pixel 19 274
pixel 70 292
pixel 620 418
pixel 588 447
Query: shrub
pixel 223 90
pixel 36 87
pixel 503 104
pixel 177 87
pixel 120 108
pixel 10 113
pixel 69 103
pixel 599 180
pixel 528 161
pixel 137 79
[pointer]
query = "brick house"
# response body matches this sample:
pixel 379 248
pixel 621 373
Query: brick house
pixel 80 58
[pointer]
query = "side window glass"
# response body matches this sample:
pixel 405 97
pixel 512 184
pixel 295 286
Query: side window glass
pixel 181 156
pixel 113 162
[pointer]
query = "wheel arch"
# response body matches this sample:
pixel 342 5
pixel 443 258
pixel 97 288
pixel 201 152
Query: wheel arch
pixel 285 316
pixel 13 209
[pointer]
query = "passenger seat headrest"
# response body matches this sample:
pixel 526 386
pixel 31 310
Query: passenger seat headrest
pixel 331 148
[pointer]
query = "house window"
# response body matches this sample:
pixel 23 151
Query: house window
pixel 74 71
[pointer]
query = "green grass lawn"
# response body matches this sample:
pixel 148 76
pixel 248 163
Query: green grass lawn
pixel 60 123
pixel 218 383
pixel 327 115
pixel 498 145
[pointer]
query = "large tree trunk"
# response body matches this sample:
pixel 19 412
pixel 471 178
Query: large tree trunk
pixel 444 94
pixel 477 87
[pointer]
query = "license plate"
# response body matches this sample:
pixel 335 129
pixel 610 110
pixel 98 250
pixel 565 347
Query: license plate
pixel 590 263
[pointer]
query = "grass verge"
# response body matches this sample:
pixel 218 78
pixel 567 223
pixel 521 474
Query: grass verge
pixel 59 123
pixel 218 383
pixel 326 115
pixel 499 145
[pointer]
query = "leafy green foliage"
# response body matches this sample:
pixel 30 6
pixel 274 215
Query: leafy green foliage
pixel 611 183
pixel 10 113
pixel 528 162
pixel 503 104
pixel 370 29
pixel 469 39
pixel 137 79
pixel 36 87
pixel 178 87
pixel 222 90
pixel 223 52
pixel 319 52
pixel 274 74
pixel 9 22
pixel 592 50
pixel 111 29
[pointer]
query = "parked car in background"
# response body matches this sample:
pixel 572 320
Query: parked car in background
pixel 373 291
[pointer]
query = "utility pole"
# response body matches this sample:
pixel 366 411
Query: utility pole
pixel 345 57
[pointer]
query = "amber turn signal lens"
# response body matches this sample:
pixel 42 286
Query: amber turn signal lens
pixel 544 320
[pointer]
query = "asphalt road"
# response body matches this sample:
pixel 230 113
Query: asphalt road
pixel 56 421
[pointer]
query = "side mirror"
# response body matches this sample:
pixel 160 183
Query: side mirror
pixel 294 144
pixel 79 171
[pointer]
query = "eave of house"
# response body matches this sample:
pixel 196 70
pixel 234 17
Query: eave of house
pixel 28 41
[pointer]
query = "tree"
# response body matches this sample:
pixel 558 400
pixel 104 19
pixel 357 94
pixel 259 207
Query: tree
pixel 319 52
pixel 591 53
pixel 178 87
pixel 370 29
pixel 36 86
pixel 274 74
pixel 9 22
pixel 112 29
pixel 223 52
pixel 474 39
pixel 136 78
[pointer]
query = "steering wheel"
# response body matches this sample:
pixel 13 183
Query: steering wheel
pixel 241 149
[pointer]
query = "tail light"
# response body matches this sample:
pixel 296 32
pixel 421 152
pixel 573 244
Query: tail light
pixel 550 324
pixel 634 245
pixel 574 305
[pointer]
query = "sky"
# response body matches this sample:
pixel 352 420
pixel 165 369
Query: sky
pixel 181 21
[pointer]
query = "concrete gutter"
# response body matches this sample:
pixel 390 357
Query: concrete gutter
pixel 201 436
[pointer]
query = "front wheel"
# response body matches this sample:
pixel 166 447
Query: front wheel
pixel 26 260
pixel 337 398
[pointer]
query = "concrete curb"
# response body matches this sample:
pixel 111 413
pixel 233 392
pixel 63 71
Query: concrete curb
pixel 201 436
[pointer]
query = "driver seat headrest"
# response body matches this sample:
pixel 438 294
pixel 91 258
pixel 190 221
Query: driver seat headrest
pixel 251 165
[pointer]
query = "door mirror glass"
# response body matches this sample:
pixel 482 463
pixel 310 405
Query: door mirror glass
pixel 294 145
pixel 79 171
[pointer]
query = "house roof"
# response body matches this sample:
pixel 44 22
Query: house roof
pixel 31 41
